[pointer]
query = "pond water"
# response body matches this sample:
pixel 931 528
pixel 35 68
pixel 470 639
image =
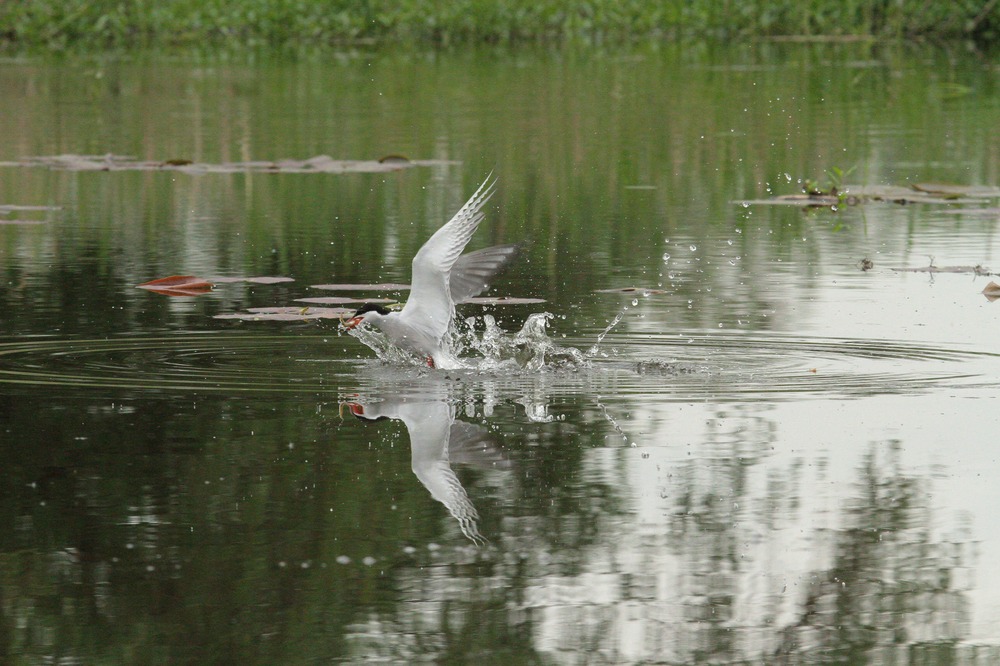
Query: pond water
pixel 786 451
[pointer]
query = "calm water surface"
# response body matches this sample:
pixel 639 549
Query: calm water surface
pixel 781 458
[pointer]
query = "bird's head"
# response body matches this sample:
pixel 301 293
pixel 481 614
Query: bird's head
pixel 366 312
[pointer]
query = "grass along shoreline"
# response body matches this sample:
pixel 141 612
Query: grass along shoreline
pixel 57 24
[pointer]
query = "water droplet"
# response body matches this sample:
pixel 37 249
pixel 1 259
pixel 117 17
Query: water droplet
pixel 694 247
pixel 666 257
pixel 729 241
pixel 635 301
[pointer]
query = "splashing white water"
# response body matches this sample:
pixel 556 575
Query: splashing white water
pixel 528 350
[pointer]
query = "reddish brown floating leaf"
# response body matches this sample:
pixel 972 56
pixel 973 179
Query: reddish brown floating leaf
pixel 178 285
pixel 992 291
pixel 386 286
pixel 178 292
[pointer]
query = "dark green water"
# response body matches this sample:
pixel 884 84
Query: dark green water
pixel 780 459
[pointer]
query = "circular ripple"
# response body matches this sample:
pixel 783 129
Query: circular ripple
pixel 673 367
pixel 201 362
pixel 775 366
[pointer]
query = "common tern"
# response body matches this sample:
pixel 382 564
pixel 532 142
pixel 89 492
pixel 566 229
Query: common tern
pixel 442 277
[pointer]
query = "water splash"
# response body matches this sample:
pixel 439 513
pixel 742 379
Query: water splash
pixel 595 349
pixel 528 350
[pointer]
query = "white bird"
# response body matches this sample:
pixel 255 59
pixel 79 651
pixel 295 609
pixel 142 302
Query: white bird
pixel 442 277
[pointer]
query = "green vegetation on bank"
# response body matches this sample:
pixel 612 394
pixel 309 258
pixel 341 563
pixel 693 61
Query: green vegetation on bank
pixel 64 23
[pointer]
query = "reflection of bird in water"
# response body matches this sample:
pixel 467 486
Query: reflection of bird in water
pixel 442 277
pixel 436 441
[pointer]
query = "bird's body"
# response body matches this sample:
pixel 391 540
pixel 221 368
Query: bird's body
pixel 442 277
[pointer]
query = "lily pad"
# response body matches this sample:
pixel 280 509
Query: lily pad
pixel 503 300
pixel 21 222
pixel 337 300
pixel 287 314
pixel 925 193
pixel 317 164
pixel 387 286
pixel 952 191
pixel 178 285
pixel 975 212
pixel 254 280
pixel 6 209
pixel 818 200
pixel 973 270
pixel 645 291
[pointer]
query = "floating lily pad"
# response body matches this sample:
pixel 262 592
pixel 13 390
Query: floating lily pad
pixel 254 280
pixel 952 191
pixel 975 212
pixel 286 314
pixel 973 270
pixel 178 285
pixel 992 291
pixel 645 291
pixel 925 193
pixel 21 222
pixel 387 286
pixel 800 200
pixel 318 164
pixel 503 300
pixel 6 209
pixel 336 300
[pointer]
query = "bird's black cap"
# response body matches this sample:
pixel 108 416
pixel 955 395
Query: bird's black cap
pixel 372 307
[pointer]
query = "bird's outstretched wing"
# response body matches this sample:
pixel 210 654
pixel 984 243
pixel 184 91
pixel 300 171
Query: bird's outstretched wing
pixel 430 305
pixel 472 273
